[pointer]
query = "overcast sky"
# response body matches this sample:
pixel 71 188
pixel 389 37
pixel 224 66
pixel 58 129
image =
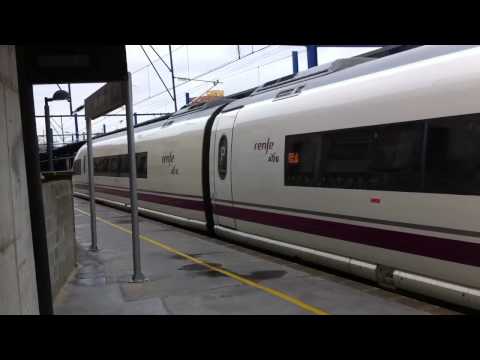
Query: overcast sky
pixel 237 67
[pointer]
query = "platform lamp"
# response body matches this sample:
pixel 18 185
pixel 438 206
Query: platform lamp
pixel 57 96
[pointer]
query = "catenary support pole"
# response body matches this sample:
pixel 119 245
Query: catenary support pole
pixel 91 187
pixel 173 78
pixel 137 266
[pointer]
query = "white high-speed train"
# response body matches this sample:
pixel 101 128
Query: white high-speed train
pixel 368 166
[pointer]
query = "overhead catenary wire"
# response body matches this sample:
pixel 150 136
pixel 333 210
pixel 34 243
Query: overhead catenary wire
pixel 201 87
pixel 222 67
pixel 203 74
pixel 228 63
pixel 200 80
pixel 164 63
pixel 198 76
pixel 244 70
pixel 148 65
pixel 159 76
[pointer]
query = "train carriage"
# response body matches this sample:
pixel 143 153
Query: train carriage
pixel 370 166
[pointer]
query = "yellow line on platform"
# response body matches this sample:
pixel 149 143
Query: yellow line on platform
pixel 276 293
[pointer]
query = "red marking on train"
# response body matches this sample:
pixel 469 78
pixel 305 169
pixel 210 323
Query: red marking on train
pixel 375 200
pixel 293 158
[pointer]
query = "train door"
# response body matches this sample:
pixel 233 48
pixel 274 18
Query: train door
pixel 221 171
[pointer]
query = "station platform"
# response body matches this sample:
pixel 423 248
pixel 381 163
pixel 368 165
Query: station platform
pixel 191 273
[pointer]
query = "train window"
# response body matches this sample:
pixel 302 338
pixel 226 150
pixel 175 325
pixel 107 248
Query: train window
pixel 141 165
pixel 430 156
pixel 119 166
pixel 385 157
pixel 302 156
pixel 114 166
pixel 124 166
pixel 103 170
pixel 222 157
pixel 452 156
pixel 77 167
pixel 97 165
pixel 100 166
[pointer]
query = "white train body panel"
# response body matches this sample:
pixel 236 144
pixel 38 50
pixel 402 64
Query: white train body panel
pixel 440 87
pixel 175 180
pixel 428 242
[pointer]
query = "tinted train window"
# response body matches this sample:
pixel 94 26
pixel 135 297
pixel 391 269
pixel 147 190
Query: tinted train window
pixel 114 166
pixel 100 166
pixel 77 167
pixel 124 166
pixel 222 157
pixel 141 160
pixel 385 157
pixel 119 165
pixel 303 156
pixel 96 165
pixel 453 155
pixel 103 167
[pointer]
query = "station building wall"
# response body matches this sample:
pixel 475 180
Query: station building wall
pixel 18 288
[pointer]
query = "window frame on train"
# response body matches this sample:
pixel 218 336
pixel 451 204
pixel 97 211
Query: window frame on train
pixel 423 156
pixel 114 165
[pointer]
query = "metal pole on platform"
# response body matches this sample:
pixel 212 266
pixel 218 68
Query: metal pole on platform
pixel 61 126
pixel 76 127
pixel 49 136
pixel 91 187
pixel 70 98
pixel 137 266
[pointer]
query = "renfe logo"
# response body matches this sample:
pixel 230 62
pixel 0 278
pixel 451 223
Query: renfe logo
pixel 267 145
pixel 264 145
pixel 168 159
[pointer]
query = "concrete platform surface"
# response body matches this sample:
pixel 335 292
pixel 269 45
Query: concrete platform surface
pixel 191 273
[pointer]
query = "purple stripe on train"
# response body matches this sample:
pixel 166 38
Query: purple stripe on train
pixel 434 247
pixel 153 198
pixel 444 249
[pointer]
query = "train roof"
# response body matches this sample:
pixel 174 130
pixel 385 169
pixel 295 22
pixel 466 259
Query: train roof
pixel 344 69
pixel 185 113
pixel 336 71
pixel 142 125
